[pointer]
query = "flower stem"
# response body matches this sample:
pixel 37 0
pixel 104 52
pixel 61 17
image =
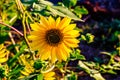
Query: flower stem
pixel 11 28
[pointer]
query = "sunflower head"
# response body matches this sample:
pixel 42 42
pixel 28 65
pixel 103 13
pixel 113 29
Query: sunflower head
pixel 54 38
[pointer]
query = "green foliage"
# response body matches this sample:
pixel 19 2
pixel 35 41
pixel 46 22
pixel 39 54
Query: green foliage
pixel 88 37
pixel 112 65
pixel 2 72
pixel 80 11
pixel 47 8
pixel 118 50
pixel 14 59
pixel 92 72
pixel 3 33
pixel 15 73
pixel 60 64
pixel 69 3
pixel 71 76
pixel 37 64
pixel 115 35
pixel 40 77
pixel 8 14
pixel 8 11
pixel 76 55
pixel 11 11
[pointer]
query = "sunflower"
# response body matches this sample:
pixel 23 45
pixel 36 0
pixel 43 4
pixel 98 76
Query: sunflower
pixel 53 38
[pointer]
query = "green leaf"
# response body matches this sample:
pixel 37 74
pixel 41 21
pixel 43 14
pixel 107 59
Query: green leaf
pixel 91 64
pixel 76 55
pixel 111 71
pixel 3 33
pixel 66 12
pixel 115 36
pixel 92 72
pixel 37 64
pixel 29 1
pixel 38 7
pixel 46 2
pixel 60 64
pixel 72 76
pixel 69 3
pixel 40 77
pixel 80 10
pixel 12 60
pixel 55 10
pixel 15 70
pixel 2 72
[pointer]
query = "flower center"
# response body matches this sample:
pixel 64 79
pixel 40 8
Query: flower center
pixel 53 37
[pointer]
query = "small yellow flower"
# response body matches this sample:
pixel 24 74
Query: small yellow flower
pixel 49 76
pixel 3 54
pixel 28 69
pixel 54 38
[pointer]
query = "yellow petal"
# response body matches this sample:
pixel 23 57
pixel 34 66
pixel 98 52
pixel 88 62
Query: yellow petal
pixel 64 57
pixel 53 55
pixel 70 44
pixel 51 78
pixel 38 33
pixel 32 37
pixel 37 45
pixel 36 27
pixel 58 21
pixel 2 60
pixel 45 56
pixel 58 55
pixel 22 58
pixel 71 34
pixel 45 52
pixel 24 73
pixel 51 22
pixel 28 66
pixel 4 54
pixel 36 38
pixel 2 51
pixel 72 41
pixel 62 54
pixel 1 46
pixel 49 74
pixel 66 49
pixel 44 21
pixel 65 22
pixel 27 70
pixel 42 26
pixel 69 27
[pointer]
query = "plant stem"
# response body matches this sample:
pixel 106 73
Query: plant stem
pixel 23 10
pixel 11 28
pixel 13 41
